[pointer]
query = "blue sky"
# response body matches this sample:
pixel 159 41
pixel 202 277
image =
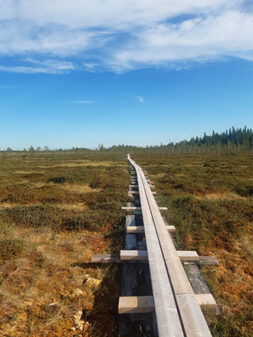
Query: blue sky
pixel 86 72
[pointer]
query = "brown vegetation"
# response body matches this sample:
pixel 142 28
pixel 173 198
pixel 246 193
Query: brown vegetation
pixel 52 221
pixel 210 201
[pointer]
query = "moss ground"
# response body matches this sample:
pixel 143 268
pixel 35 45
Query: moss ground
pixel 210 201
pixel 56 211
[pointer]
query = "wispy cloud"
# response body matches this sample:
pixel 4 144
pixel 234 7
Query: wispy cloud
pixel 140 99
pixel 122 35
pixel 32 66
pixel 85 102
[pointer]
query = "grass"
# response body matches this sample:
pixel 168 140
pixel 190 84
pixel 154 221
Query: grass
pixel 210 201
pixel 56 211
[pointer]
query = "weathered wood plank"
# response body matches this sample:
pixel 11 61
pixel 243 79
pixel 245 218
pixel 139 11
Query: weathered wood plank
pixel 135 229
pixel 197 280
pixel 191 316
pixel 206 299
pixel 105 258
pixel 137 192
pixel 130 239
pixel 168 321
pixel 129 279
pixel 134 208
pixel 188 255
pixel 209 260
pixel 131 208
pixel 184 255
pixel 133 255
pixel 171 229
pixel 144 304
pixel 135 304
pixel 140 229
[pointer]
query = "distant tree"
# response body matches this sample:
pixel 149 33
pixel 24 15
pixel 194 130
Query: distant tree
pixel 38 149
pixel 31 149
pixel 101 147
pixel 9 149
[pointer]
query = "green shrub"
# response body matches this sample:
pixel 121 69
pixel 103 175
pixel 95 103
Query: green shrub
pixel 57 180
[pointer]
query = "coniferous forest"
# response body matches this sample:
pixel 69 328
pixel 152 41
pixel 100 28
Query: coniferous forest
pixel 230 141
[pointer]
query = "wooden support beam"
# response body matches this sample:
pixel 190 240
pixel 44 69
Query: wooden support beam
pixel 206 299
pixel 209 260
pixel 130 239
pixel 135 304
pixel 115 258
pixel 140 229
pixel 105 258
pixel 171 229
pixel 137 255
pixel 145 304
pixel 135 229
pixel 188 255
pixel 133 208
pixel 137 192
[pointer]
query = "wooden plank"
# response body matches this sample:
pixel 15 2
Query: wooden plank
pixel 143 255
pixel 176 271
pixel 137 255
pixel 171 228
pixel 137 192
pixel 188 255
pixel 134 208
pixel 197 280
pixel 140 229
pixel 168 321
pixel 115 258
pixel 191 316
pixel 209 260
pixel 135 229
pixel 135 304
pixel 105 258
pixel 206 299
pixel 144 304
pixel 130 239
pixel 129 279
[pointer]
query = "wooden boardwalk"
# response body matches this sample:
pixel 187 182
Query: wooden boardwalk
pixel 178 313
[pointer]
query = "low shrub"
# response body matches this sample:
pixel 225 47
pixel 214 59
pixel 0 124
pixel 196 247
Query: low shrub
pixel 11 248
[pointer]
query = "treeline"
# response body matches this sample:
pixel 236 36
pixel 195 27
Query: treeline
pixel 230 141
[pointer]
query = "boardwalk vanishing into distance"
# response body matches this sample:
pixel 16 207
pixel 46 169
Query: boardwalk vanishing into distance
pixel 177 311
pixel 174 304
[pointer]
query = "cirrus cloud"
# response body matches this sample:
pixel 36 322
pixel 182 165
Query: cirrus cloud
pixel 94 35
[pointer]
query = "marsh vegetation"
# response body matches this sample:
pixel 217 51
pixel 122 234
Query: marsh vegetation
pixel 210 201
pixel 56 211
